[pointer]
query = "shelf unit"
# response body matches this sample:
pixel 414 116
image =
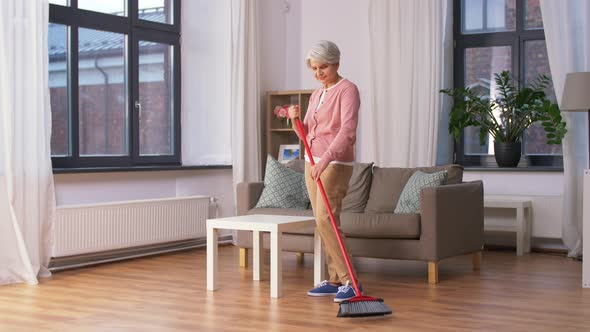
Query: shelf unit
pixel 276 132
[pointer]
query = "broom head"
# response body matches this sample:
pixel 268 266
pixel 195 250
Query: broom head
pixel 363 306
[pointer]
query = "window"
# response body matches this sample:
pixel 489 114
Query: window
pixel 496 35
pixel 114 80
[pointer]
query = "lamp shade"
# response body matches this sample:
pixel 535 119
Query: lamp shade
pixel 576 92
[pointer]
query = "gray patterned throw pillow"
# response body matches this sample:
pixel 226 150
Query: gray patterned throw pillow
pixel 283 187
pixel 409 201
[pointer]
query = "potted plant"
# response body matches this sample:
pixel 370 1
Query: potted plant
pixel 506 115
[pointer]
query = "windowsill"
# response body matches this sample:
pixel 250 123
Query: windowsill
pixel 135 169
pixel 513 169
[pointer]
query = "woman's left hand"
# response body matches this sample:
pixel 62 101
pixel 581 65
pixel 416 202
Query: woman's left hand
pixel 317 169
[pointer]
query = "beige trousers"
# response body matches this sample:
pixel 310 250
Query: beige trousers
pixel 335 179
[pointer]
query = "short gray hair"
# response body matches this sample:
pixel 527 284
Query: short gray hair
pixel 323 51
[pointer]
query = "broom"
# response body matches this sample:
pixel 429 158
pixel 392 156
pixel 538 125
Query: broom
pixel 359 305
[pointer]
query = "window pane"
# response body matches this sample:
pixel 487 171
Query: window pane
pixel 58 89
pixel 156 84
pixel 536 63
pixel 115 7
pixel 472 12
pixel 59 2
pixel 481 16
pixel 481 63
pixel 532 12
pixel 471 142
pixel 156 10
pixel 102 93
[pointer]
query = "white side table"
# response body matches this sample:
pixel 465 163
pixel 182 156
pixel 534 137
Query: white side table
pixel 523 223
pixel 274 224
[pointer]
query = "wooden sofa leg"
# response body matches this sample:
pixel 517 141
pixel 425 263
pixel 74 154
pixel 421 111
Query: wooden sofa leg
pixel 433 272
pixel 244 257
pixel 300 257
pixel 476 260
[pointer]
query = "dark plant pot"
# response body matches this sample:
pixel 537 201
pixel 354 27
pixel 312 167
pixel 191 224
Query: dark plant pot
pixel 507 153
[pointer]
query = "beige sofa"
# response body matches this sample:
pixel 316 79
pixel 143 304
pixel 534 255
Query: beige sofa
pixel 450 222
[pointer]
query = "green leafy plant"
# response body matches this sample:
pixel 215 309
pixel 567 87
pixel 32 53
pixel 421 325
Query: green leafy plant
pixel 509 113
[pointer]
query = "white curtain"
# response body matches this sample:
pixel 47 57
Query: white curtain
pixel 410 52
pixel 27 198
pixel 567 33
pixel 245 95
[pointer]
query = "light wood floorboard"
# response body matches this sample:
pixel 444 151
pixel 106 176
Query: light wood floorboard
pixel 535 292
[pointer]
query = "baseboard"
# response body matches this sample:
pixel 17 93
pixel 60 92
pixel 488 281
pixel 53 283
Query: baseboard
pixel 504 240
pixel 496 247
pixel 72 262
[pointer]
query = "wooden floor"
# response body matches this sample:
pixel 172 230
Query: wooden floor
pixel 536 292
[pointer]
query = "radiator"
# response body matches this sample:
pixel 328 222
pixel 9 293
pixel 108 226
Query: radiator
pixel 82 229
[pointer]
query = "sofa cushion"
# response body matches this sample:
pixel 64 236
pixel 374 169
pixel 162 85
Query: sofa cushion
pixel 409 200
pixel 380 225
pixel 386 187
pixel 281 212
pixel 362 225
pixel 455 172
pixel 296 165
pixel 387 184
pixel 358 188
pixel 283 187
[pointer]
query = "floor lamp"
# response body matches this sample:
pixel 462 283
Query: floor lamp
pixel 576 98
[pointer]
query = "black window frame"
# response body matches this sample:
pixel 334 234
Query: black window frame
pixel 516 40
pixel 135 29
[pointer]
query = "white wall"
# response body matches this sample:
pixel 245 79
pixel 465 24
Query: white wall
pixel 110 187
pixel 280 45
pixel 286 35
pixel 272 41
pixel 346 24
pixel 544 189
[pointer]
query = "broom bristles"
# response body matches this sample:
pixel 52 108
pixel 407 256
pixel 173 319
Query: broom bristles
pixel 363 306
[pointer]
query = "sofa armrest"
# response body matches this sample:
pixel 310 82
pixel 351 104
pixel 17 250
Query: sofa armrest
pixel 247 194
pixel 452 219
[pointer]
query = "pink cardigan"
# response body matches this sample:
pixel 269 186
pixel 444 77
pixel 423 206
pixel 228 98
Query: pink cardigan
pixel 331 131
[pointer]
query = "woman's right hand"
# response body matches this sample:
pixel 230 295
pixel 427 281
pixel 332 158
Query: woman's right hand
pixel 294 111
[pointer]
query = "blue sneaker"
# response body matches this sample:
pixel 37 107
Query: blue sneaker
pixel 323 289
pixel 346 292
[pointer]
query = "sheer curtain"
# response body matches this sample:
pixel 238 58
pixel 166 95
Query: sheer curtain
pixel 567 33
pixel 27 198
pixel 206 76
pixel 410 56
pixel 245 92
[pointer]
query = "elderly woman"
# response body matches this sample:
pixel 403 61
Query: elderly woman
pixel 330 126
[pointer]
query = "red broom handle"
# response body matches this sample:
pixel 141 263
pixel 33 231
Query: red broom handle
pixel 329 208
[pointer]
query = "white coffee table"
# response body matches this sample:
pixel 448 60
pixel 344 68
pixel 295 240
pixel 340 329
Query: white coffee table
pixel 258 223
